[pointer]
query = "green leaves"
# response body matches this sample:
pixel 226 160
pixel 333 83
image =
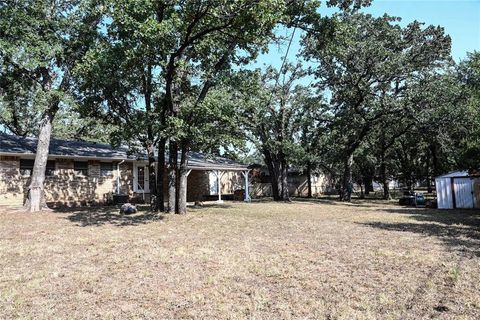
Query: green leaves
pixel 40 43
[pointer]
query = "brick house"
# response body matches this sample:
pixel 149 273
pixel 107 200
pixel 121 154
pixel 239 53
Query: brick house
pixel 297 183
pixel 81 173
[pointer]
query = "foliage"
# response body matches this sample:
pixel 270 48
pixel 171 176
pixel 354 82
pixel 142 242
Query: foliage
pixel 368 71
pixel 469 74
pixel 40 42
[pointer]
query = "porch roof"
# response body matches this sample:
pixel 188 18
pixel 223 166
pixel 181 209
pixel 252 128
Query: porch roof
pixel 26 146
pixel 199 161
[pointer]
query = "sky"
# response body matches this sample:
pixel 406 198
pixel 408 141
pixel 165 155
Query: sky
pixel 460 18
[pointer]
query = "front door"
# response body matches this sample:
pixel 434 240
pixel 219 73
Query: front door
pixel 141 179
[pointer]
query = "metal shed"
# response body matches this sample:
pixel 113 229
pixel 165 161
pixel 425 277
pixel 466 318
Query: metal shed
pixel 458 190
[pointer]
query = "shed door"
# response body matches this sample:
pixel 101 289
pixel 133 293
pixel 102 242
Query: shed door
pixel 464 193
pixel 444 193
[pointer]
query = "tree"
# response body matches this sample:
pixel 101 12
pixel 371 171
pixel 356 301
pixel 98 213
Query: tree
pixel 40 44
pixel 119 79
pixel 213 36
pixel 365 69
pixel 414 146
pixel 311 120
pixel 276 108
pixel 174 51
pixel 204 127
pixel 469 75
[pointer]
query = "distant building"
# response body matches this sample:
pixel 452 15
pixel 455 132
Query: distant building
pixel 297 183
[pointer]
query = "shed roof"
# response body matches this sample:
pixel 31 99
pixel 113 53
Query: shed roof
pixel 455 174
pixel 16 145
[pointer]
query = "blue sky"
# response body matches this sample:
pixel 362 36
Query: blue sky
pixel 460 18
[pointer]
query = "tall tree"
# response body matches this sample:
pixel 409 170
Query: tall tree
pixel 469 75
pixel 278 115
pixel 367 65
pixel 119 79
pixel 40 44
pixel 211 37
pixel 178 50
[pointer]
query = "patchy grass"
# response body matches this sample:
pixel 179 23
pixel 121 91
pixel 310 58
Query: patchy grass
pixel 301 260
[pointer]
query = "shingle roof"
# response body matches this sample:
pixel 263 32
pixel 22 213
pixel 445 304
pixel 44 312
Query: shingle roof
pixel 11 144
pixel 68 148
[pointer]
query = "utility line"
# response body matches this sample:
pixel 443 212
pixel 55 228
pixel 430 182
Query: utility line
pixel 282 66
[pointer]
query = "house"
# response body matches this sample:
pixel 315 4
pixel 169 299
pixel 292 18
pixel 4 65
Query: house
pixel 297 183
pixel 80 173
pixel 458 189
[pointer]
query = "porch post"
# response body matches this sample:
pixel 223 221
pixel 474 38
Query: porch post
pixel 247 191
pixel 219 185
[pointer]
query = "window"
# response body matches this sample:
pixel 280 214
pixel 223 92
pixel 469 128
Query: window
pixel 141 178
pixel 26 167
pixel 106 169
pixel 50 169
pixel 81 168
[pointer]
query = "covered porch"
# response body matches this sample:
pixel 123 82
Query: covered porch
pixel 209 179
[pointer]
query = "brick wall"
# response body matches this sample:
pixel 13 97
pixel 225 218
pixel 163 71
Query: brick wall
pixel 11 186
pixel 197 185
pixel 65 187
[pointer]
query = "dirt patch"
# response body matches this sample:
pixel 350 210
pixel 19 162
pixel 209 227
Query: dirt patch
pixel 301 260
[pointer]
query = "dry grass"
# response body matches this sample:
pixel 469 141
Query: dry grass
pixel 304 260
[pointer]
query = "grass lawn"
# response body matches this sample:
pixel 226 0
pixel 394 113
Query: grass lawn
pixel 301 260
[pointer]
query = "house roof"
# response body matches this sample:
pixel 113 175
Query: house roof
pixel 18 146
pixel 11 144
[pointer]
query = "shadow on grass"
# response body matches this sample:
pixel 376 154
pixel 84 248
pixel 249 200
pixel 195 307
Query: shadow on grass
pixel 459 230
pixel 364 203
pixel 194 209
pixel 99 216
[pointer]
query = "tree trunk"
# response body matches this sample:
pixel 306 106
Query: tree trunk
pixel 172 177
pixel 309 180
pixel 284 182
pixel 277 170
pixel 386 189
pixel 347 185
pixel 276 183
pixel 152 180
pixel 160 206
pixel 36 195
pixel 272 174
pixel 384 177
pixel 428 176
pixel 183 179
pixel 409 183
pixel 435 161
pixel 368 182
